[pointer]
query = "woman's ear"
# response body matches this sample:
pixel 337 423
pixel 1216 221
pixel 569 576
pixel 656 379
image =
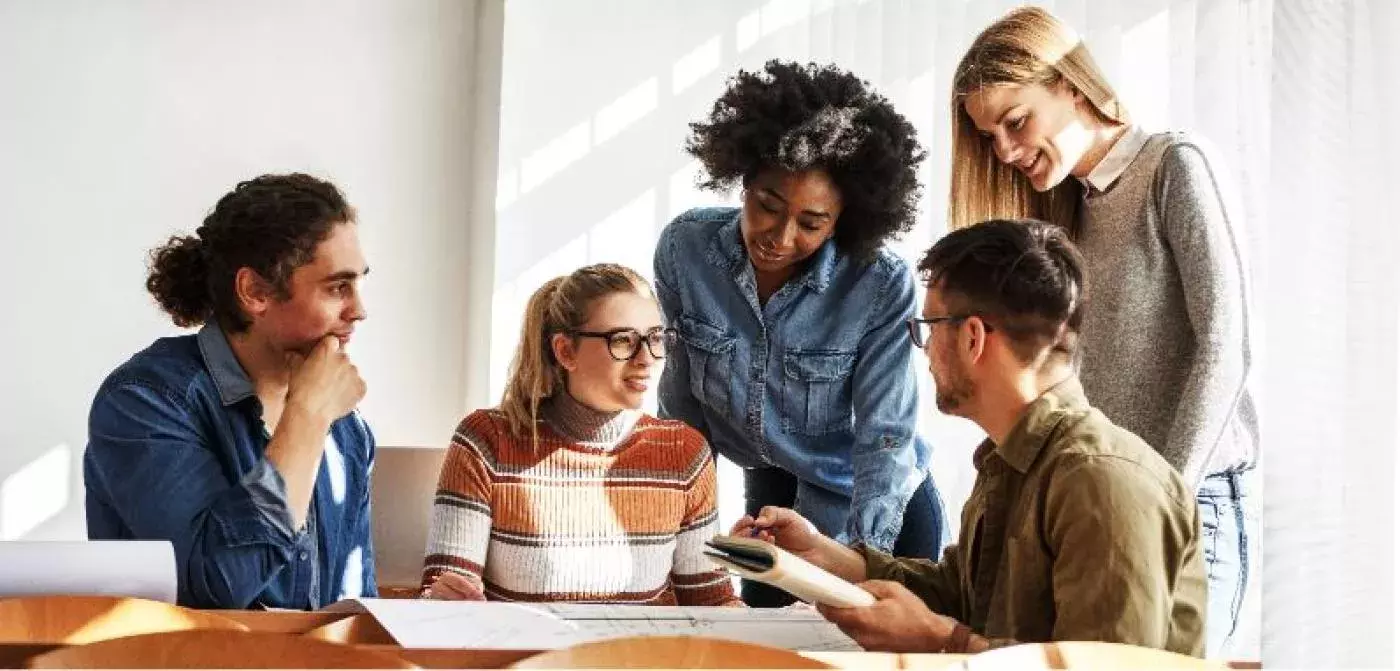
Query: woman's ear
pixel 564 351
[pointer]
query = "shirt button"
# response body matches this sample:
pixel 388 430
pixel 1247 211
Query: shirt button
pixel 303 555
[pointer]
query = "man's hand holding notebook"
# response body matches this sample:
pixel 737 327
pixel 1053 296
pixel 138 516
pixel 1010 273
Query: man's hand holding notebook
pixel 762 561
pixel 780 548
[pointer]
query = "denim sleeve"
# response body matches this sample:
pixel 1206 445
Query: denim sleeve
pixel 673 396
pixel 886 413
pixel 268 492
pixel 149 457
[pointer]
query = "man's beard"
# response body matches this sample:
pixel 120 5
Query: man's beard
pixel 953 393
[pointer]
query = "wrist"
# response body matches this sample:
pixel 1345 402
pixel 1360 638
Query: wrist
pixel 959 639
pixel 297 409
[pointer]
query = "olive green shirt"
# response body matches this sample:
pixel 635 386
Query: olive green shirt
pixel 1076 530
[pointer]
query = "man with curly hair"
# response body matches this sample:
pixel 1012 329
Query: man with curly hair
pixel 241 444
pixel 796 364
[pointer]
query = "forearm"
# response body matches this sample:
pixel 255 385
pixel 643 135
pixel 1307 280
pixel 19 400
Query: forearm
pixel 1208 401
pixel 295 451
pixel 837 559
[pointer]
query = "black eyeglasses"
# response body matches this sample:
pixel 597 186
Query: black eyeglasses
pixel 921 328
pixel 625 343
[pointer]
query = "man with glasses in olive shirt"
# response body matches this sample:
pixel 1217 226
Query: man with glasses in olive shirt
pixel 1076 529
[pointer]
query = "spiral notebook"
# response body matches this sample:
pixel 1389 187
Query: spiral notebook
pixel 767 563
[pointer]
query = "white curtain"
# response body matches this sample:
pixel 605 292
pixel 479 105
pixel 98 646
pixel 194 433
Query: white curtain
pixel 596 95
pixel 1329 296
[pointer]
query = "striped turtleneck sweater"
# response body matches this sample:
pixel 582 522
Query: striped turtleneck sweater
pixel 609 508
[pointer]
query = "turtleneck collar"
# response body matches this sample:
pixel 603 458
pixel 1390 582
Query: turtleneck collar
pixel 593 428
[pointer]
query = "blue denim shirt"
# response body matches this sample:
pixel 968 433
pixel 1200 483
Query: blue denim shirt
pixel 818 381
pixel 175 452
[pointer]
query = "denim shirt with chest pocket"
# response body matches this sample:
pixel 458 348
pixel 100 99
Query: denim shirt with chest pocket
pixel 818 381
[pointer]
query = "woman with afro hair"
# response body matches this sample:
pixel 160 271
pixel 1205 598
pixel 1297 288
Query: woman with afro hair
pixel 796 358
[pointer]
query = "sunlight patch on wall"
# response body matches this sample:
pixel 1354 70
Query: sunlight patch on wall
pixel 748 30
pixel 630 107
pixel 507 188
pixel 689 68
pixel 554 156
pixel 35 493
pixel 625 236
pixel 780 14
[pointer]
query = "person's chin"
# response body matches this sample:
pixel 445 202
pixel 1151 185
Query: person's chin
pixel 1051 178
pixel 768 265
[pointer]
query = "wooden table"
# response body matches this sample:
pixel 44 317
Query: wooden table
pixel 13 656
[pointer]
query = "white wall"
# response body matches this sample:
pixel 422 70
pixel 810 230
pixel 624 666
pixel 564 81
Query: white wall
pixel 124 121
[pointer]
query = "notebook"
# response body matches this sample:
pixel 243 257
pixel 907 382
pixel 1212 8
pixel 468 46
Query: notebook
pixel 767 563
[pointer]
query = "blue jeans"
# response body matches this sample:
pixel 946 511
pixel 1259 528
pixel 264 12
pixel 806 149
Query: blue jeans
pixel 1225 541
pixel 923 535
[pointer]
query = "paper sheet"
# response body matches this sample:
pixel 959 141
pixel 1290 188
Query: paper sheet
pixel 791 628
pixel 510 626
pixel 144 569
pixel 424 623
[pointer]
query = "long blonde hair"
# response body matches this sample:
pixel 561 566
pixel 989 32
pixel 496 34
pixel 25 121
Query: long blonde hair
pixel 562 305
pixel 1026 46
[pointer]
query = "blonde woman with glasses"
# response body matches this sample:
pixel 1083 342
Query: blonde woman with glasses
pixel 1166 348
pixel 567 491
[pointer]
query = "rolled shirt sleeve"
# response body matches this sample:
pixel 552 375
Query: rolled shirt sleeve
pixel 146 460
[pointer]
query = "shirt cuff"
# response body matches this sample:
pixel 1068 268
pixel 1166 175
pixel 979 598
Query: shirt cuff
pixel 268 492
pixel 879 565
pixel 854 535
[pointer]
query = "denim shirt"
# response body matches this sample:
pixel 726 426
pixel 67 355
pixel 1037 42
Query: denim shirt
pixel 175 452
pixel 817 382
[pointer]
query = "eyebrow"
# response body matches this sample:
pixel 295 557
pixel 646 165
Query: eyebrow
pixel 1004 113
pixel 813 213
pixel 643 329
pixel 344 275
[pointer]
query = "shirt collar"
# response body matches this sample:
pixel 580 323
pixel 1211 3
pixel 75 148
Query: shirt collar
pixel 727 251
pixel 230 379
pixel 1119 157
pixel 1030 435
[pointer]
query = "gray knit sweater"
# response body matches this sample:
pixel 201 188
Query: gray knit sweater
pixel 1166 338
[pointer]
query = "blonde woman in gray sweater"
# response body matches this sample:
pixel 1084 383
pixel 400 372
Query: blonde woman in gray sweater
pixel 1166 345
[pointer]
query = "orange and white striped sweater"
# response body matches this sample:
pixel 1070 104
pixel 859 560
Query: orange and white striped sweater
pixel 610 508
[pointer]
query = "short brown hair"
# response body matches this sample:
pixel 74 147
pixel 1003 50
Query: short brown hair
pixel 1022 276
